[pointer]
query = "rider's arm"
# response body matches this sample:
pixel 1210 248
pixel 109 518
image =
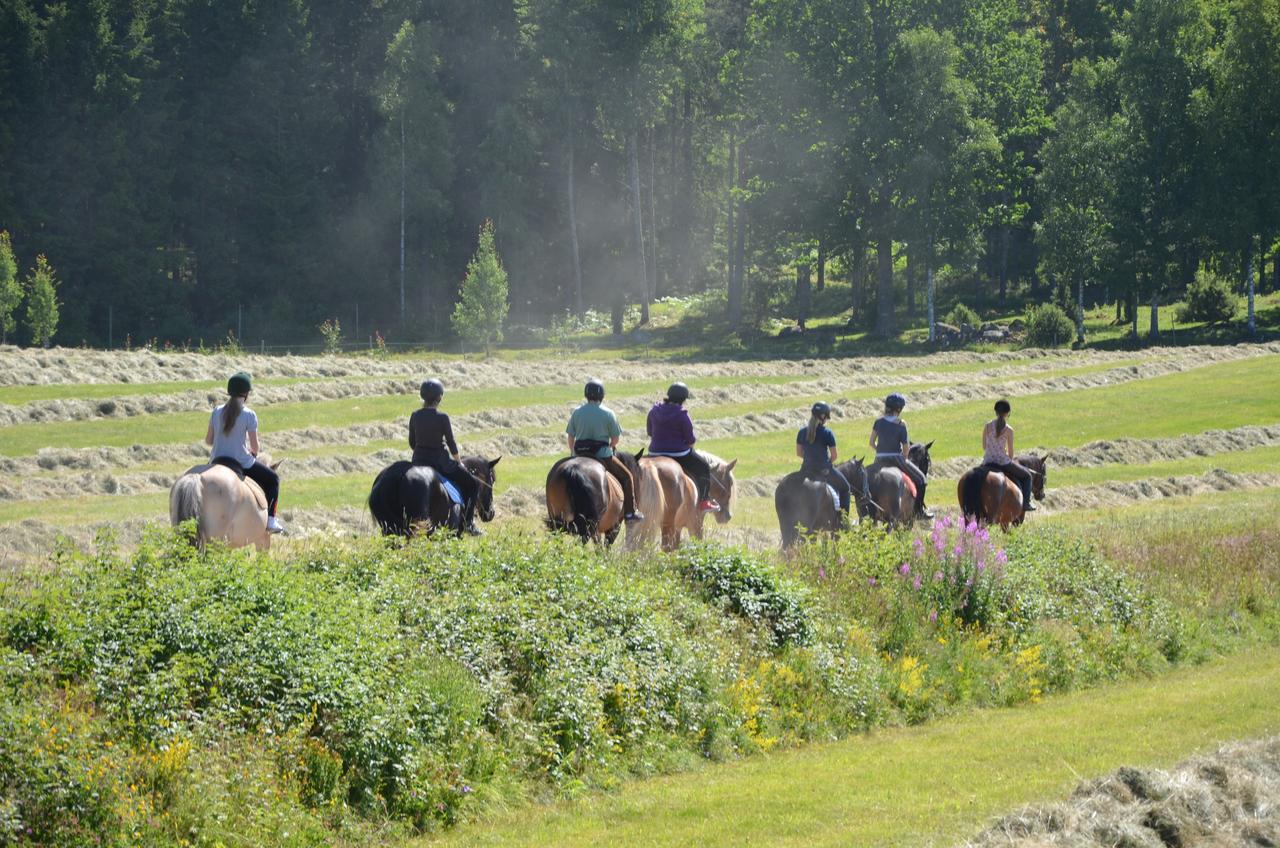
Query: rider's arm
pixel 613 441
pixel 834 456
pixel 448 438
pixel 208 436
pixel 253 443
pixel 799 449
pixel 572 440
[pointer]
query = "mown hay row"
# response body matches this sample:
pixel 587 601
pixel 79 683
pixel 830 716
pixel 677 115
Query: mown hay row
pixel 1228 798
pixel 1117 493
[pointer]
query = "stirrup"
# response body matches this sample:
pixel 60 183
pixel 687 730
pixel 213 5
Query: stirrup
pixel 709 505
pixel 634 516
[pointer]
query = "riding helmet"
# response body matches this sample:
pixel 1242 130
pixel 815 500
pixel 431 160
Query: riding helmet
pixel 594 390
pixel 432 390
pixel 678 393
pixel 239 384
pixel 895 401
pixel 821 408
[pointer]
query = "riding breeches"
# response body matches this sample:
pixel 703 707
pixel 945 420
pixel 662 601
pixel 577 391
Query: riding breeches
pixel 698 469
pixel 1019 474
pixel 833 478
pixel 466 483
pixel 622 474
pixel 269 480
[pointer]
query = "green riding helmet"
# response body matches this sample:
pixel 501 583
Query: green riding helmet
pixel 594 390
pixel 895 402
pixel 821 409
pixel 678 393
pixel 432 390
pixel 239 384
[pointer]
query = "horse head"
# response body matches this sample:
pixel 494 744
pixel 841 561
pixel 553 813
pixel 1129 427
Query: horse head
pixel 860 484
pixel 721 485
pixel 919 454
pixel 482 470
pixel 1039 468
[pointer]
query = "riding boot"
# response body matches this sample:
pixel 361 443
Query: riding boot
pixel 1028 505
pixel 921 510
pixel 468 522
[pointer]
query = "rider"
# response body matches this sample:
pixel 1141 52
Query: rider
pixel 594 431
pixel 997 449
pixel 233 435
pixel 671 434
pixel 431 438
pixel 816 445
pixel 889 441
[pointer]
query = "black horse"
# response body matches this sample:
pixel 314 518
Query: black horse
pixel 806 506
pixel 406 498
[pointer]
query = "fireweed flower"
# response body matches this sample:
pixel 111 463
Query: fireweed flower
pixel 915 584
pixel 918 545
pixel 933 616
pixel 904 569
pixel 1002 557
pixel 937 576
pixel 822 573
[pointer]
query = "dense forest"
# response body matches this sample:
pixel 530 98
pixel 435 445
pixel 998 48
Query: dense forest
pixel 194 166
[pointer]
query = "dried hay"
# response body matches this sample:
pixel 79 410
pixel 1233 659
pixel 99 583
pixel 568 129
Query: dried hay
pixel 1229 798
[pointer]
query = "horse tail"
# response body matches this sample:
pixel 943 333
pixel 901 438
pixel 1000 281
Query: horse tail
pixel 583 500
pixel 971 495
pixel 186 499
pixel 387 500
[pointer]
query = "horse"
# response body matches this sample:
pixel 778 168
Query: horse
pixel 583 497
pixel 226 504
pixel 893 496
pixel 405 497
pixel 722 485
pixel 988 496
pixel 806 505
pixel 669 500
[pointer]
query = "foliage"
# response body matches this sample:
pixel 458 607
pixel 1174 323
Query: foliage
pixel 10 287
pixel 748 588
pixel 961 315
pixel 1209 299
pixel 331 333
pixel 42 303
pixel 1048 326
pixel 482 304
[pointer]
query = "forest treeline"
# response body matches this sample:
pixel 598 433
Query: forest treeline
pixel 194 166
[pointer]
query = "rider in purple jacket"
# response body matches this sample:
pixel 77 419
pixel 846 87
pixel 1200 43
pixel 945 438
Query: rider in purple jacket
pixel 671 434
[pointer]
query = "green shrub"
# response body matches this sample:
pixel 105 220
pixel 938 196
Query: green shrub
pixel 961 315
pixel 1048 326
pixel 750 588
pixel 1209 299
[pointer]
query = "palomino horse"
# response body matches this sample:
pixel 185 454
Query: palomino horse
pixel 892 494
pixel 988 496
pixel 669 500
pixel 807 505
pixel 225 504
pixel 406 498
pixel 584 498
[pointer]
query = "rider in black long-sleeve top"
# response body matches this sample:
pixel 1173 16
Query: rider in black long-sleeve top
pixel 431 438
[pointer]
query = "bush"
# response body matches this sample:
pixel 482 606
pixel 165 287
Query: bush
pixel 1048 326
pixel 961 315
pixel 1209 300
pixel 482 306
pixel 42 303
pixel 749 588
pixel 331 334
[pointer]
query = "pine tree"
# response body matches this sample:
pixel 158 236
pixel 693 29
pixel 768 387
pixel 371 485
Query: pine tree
pixel 10 288
pixel 482 304
pixel 42 303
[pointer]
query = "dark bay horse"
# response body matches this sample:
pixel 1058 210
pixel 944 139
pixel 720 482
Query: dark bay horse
pixel 806 505
pixel 585 499
pixel 988 496
pixel 891 491
pixel 407 498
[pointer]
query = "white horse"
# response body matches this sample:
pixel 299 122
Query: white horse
pixel 225 506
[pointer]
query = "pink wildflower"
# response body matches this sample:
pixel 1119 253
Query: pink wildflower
pixel 1002 557
pixel 915 584
pixel 904 569
pixel 937 576
pixel 822 573
pixel 933 616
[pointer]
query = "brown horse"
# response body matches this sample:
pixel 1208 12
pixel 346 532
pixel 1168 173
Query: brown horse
pixel 584 498
pixel 225 505
pixel 893 497
pixel 988 496
pixel 669 501
pixel 722 485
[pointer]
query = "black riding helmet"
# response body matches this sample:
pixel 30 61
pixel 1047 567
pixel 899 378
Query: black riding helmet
pixel 432 390
pixel 594 390
pixel 821 408
pixel 895 401
pixel 239 384
pixel 678 393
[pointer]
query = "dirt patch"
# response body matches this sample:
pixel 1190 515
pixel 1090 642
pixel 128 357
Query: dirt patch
pixel 1229 798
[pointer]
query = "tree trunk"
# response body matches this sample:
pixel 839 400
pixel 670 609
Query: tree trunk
pixel 731 238
pixel 911 281
pixel 884 285
pixel 653 220
pixel 402 192
pixel 1080 311
pixel 1154 335
pixel 1004 262
pixel 822 265
pixel 578 306
pixel 1133 309
pixel 803 273
pixel 1119 310
pixel 1275 270
pixel 637 204
pixel 1253 324
pixel 740 252
pixel 929 295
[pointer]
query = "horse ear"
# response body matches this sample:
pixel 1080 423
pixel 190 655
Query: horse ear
pixel 729 467
pixel 494 462
pixel 277 464
pixel 639 454
pixel 930 445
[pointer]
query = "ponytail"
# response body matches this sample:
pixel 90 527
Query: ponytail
pixel 815 421
pixel 230 412
pixel 1000 425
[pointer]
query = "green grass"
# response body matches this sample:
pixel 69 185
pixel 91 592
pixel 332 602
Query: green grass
pixel 1263 459
pixel 928 785
pixel 98 391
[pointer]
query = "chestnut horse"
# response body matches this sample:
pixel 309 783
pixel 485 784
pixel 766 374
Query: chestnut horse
pixel 225 504
pixel 584 498
pixel 988 496
pixel 669 500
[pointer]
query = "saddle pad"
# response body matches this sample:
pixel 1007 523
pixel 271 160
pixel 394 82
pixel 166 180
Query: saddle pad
pixel 451 490
pixel 835 497
pixel 911 486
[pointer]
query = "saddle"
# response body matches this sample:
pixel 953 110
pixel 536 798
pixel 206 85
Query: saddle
pixel 876 466
pixel 449 489
pixel 588 447
pixel 229 462
pixel 818 477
